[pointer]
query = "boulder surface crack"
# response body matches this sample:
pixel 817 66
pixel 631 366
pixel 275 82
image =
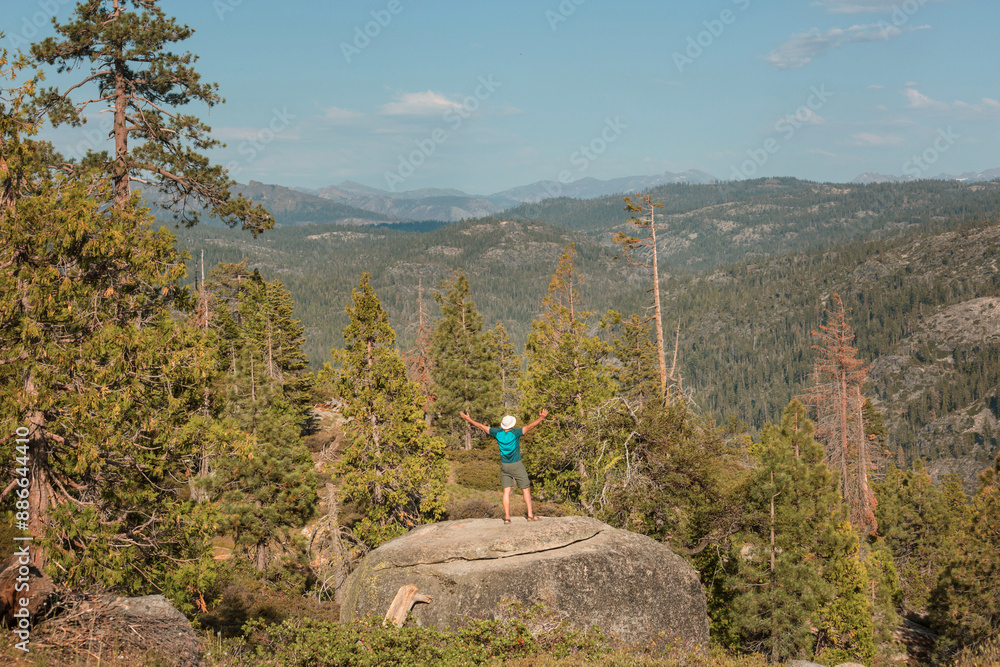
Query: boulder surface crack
pixel 470 559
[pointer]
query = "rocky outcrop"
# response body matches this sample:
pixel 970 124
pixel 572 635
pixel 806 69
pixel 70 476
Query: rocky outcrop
pixel 146 629
pixel 581 569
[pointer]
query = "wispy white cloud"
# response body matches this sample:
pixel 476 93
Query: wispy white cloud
pixel 917 100
pixel 263 134
pixel 800 49
pixel 338 116
pixel 872 139
pixel 985 107
pixel 805 115
pixel 820 151
pixel 863 6
pixel 875 86
pixel 419 104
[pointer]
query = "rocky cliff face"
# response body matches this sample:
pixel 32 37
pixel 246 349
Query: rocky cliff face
pixel 581 569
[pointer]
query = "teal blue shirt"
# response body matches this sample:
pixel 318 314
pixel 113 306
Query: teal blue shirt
pixel 510 443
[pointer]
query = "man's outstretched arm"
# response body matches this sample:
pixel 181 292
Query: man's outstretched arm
pixel 541 415
pixel 481 427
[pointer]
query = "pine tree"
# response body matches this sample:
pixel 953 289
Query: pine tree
pixel 794 566
pixel 466 375
pixel 921 522
pixel 643 210
pixel 143 84
pixel 21 158
pixel 419 363
pixel 965 604
pixel 636 374
pixel 268 324
pixel 836 396
pixel 509 364
pixel 666 473
pixel 392 467
pixel 268 493
pixel 566 374
pixel 106 384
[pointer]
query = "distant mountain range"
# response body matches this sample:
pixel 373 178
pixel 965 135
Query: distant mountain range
pixel 967 177
pixel 454 205
pixel 357 204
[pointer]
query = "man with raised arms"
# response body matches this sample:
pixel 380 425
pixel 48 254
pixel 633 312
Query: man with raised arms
pixel 511 468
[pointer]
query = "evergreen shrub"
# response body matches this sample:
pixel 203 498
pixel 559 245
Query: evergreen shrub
pixel 482 475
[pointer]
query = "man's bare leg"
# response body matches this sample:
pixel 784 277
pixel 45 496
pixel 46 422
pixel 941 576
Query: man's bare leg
pixel 506 503
pixel 527 501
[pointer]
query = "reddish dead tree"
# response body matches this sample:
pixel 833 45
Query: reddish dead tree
pixel 836 396
pixel 636 252
pixel 418 359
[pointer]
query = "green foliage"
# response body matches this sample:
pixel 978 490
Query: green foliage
pixel 240 593
pixel 794 564
pixel 665 472
pixel 482 475
pixel 636 373
pixel 107 382
pixel 465 373
pixel 510 366
pixel 921 522
pixel 566 375
pixel 267 490
pixel 965 605
pixel 884 590
pixel 521 633
pixel 392 467
pixel 847 627
pixel 744 326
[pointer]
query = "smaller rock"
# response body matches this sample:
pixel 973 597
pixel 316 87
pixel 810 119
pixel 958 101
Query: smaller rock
pixel 145 628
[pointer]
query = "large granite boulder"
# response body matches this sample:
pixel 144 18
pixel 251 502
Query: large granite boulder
pixel 583 570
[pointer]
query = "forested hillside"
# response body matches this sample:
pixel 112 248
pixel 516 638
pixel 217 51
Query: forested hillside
pixel 745 342
pixel 924 310
pixel 711 225
pixel 508 265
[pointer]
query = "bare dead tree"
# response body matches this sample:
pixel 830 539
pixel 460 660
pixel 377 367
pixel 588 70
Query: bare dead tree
pixel 836 397
pixel 643 210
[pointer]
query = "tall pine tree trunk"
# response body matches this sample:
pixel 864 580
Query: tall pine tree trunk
pixel 660 349
pixel 40 492
pixel 260 557
pixel 120 175
pixel 842 434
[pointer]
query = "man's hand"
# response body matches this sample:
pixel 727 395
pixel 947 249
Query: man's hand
pixel 482 427
pixel 541 415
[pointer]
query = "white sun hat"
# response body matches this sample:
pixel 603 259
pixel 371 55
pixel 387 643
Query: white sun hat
pixel 508 423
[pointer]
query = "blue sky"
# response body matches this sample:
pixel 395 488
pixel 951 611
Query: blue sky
pixel 483 96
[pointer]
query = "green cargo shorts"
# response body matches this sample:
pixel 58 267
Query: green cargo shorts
pixel 514 472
